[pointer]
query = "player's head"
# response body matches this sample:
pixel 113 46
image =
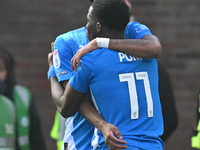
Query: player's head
pixel 7 68
pixel 106 15
pixel 128 3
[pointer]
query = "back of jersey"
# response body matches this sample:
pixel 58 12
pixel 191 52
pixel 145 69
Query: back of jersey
pixel 125 91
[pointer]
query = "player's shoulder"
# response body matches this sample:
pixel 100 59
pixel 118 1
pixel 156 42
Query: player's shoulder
pixel 95 53
pixel 136 30
pixel 92 56
pixel 71 34
pixel 99 53
pixel 135 24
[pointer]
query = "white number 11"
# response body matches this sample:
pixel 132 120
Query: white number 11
pixel 129 77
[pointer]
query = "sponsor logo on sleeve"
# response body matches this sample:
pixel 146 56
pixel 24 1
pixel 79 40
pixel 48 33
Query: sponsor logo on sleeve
pixel 141 28
pixel 56 59
pixel 62 72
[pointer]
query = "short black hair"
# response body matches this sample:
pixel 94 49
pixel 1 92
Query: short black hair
pixel 114 14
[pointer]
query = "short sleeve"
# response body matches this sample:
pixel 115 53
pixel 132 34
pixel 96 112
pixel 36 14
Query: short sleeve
pixel 82 78
pixel 63 52
pixel 135 30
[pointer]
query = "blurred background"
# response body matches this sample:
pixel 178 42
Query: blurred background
pixel 28 27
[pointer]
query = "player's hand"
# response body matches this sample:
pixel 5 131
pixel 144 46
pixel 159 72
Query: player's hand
pixel 52 46
pixel 113 142
pixel 50 59
pixel 50 55
pixel 86 49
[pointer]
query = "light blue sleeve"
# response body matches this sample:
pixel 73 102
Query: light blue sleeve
pixel 80 81
pixel 63 53
pixel 135 30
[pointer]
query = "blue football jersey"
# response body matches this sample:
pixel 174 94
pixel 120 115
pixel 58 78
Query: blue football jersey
pixel 125 92
pixel 135 30
pixel 79 131
pixel 65 47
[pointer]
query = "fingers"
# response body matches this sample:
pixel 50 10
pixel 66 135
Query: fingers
pixel 52 46
pixel 73 64
pixel 114 146
pixel 114 139
pixel 75 61
pixel 116 131
pixel 50 59
pixel 50 54
pixel 114 143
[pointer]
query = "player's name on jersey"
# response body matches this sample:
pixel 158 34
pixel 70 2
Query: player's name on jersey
pixel 125 57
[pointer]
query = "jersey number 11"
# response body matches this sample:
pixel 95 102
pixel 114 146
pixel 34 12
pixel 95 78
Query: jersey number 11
pixel 129 77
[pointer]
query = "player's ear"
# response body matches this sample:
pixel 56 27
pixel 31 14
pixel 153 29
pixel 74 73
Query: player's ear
pixel 98 27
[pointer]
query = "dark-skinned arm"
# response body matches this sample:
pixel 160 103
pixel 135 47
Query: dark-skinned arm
pixel 68 101
pixel 62 98
pixel 147 47
pixel 62 94
pixel 108 130
pixel 72 100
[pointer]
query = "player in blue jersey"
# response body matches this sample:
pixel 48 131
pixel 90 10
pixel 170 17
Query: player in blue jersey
pixel 169 127
pixel 66 46
pixel 141 42
pixel 78 133
pixel 126 92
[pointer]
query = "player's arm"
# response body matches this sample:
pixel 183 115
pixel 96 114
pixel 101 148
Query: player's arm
pixel 57 89
pixel 62 97
pixel 108 130
pixel 68 101
pixel 147 47
pixel 73 100
pixel 61 93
